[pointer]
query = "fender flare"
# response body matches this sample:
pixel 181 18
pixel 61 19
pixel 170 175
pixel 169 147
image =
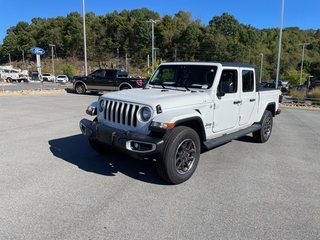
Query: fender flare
pixel 125 84
pixel 80 81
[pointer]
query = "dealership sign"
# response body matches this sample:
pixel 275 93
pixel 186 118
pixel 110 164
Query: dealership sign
pixel 37 51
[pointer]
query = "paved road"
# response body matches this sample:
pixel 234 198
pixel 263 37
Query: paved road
pixel 53 186
pixel 32 85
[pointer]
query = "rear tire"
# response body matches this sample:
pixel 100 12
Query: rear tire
pixel 180 156
pixel 264 133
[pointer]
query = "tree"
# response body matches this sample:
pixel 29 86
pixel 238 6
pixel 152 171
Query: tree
pixel 72 35
pixel 115 35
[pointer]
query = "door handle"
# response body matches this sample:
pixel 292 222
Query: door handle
pixel 252 100
pixel 236 102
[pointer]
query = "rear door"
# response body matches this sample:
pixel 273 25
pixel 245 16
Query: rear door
pixel 248 96
pixel 109 80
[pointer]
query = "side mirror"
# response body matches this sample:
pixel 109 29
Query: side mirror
pixel 220 94
pixel 224 87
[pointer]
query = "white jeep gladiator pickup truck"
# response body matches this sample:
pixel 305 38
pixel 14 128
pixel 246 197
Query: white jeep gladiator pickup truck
pixel 184 108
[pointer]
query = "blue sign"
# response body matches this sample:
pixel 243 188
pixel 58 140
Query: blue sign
pixel 37 50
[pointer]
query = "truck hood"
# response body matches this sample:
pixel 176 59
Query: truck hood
pixel 167 98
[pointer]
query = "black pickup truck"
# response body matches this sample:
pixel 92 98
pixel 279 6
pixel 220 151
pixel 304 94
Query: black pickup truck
pixel 106 80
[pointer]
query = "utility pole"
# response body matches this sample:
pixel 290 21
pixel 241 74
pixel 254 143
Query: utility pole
pixel 152 35
pixel 52 60
pixel 9 59
pixel 155 54
pixel 23 59
pixel 118 57
pixel 303 46
pixel 126 62
pixel 175 54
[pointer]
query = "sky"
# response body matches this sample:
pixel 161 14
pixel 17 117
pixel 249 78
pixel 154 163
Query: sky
pixel 258 13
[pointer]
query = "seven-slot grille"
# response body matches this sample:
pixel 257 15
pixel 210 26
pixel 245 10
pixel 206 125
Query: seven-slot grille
pixel 121 113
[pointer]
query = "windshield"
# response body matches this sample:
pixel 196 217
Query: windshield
pixel 187 76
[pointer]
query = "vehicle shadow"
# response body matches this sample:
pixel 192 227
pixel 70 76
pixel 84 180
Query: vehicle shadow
pixel 76 150
pixel 72 91
pixel 246 138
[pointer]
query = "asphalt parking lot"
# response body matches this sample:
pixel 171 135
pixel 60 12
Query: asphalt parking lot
pixel 54 186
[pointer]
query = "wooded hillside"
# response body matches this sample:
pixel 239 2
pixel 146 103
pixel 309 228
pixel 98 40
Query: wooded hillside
pixel 113 37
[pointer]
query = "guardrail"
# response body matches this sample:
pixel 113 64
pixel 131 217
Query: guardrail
pixel 304 100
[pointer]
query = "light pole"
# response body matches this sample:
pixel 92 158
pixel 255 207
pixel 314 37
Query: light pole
pixel 261 66
pixel 280 41
pixel 84 40
pixel 303 46
pixel 152 47
pixel 52 60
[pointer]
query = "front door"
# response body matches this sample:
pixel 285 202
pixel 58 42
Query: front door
pixel 227 101
pixel 94 79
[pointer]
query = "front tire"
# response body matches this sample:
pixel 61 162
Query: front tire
pixel 80 88
pixel 125 87
pixel 264 133
pixel 180 156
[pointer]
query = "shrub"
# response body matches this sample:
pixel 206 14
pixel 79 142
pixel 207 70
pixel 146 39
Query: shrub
pixel 298 96
pixel 315 95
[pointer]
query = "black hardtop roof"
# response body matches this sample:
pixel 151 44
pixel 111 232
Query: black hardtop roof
pixel 238 64
pixel 225 64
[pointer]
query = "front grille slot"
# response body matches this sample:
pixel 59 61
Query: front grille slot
pixel 121 113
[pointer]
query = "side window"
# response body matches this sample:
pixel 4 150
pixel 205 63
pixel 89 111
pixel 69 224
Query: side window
pixel 109 74
pixel 228 81
pixel 98 73
pixel 247 81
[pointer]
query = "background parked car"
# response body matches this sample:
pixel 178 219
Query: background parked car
pixel 47 77
pixel 62 79
pixel 315 84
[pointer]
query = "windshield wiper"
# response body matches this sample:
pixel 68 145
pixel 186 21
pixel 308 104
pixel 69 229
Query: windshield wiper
pixel 158 83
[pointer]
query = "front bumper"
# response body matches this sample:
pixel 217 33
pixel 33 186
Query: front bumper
pixel 134 144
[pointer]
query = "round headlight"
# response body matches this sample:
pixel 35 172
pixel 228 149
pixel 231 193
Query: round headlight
pixel 145 114
pixel 101 105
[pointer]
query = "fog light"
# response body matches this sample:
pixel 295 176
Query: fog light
pixel 142 147
pixel 136 146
